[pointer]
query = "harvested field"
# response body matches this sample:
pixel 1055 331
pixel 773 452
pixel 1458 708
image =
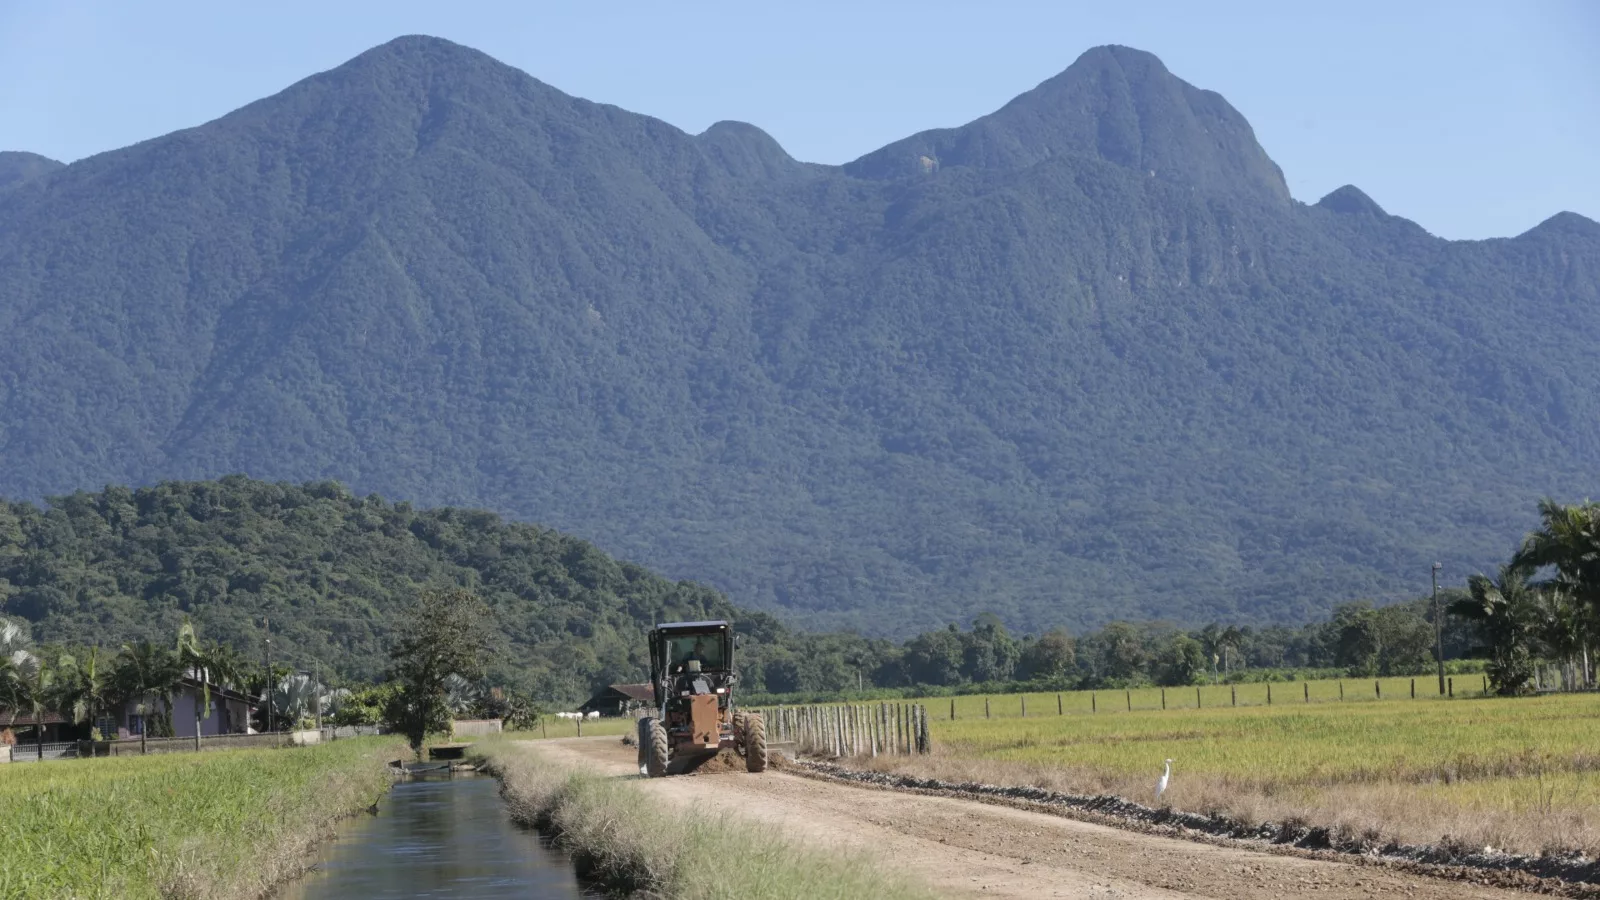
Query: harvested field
pixel 1515 774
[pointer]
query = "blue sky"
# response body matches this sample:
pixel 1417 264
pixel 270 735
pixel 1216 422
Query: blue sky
pixel 1475 119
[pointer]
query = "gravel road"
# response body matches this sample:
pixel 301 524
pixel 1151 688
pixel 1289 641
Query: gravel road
pixel 965 848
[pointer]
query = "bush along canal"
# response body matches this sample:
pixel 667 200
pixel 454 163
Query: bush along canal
pixel 439 837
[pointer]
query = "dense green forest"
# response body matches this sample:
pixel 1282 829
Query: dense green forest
pixel 334 572
pixel 1081 359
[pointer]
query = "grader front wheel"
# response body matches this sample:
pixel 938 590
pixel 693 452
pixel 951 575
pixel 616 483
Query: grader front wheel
pixel 755 743
pixel 653 747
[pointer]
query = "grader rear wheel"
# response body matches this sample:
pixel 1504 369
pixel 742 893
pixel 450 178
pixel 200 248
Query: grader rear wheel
pixel 755 743
pixel 740 722
pixel 653 747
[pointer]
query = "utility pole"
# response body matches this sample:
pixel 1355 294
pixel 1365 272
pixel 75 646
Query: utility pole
pixel 266 626
pixel 316 690
pixel 1438 627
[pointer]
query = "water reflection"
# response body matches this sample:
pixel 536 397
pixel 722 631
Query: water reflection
pixel 439 838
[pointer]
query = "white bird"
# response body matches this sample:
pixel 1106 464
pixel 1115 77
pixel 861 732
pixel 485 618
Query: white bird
pixel 1161 785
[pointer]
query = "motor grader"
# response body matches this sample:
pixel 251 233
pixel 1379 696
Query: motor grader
pixel 692 673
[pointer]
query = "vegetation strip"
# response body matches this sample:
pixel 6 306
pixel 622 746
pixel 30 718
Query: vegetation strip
pixel 1572 875
pixel 190 826
pixel 622 836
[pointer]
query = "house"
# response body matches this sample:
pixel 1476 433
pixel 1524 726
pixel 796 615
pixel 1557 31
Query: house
pixel 620 700
pixel 229 713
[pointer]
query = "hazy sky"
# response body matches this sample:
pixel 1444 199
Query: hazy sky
pixel 1475 119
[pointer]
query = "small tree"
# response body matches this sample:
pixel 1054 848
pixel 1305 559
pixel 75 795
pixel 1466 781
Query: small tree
pixel 446 634
pixel 1506 612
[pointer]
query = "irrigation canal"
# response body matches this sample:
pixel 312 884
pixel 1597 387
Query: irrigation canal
pixel 438 837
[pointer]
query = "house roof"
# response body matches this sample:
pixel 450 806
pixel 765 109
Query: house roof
pixel 635 691
pixel 618 693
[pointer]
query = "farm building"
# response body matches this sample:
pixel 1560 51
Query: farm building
pixel 619 700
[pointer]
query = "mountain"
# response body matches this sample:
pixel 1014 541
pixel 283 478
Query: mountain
pixel 1081 359
pixel 17 167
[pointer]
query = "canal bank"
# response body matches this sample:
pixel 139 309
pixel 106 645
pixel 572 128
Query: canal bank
pixel 438 837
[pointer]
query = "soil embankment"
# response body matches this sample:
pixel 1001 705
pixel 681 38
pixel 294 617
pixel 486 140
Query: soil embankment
pixel 970 848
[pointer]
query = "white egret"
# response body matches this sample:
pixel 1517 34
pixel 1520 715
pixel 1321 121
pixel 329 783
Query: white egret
pixel 1161 786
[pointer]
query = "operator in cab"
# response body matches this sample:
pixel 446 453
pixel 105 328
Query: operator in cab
pixel 697 654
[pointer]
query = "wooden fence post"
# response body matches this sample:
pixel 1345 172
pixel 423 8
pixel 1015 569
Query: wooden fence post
pixel 1307 687
pixel 1341 690
pixel 1452 687
pixel 1024 705
pixel 952 709
pixel 1197 696
pixel 1163 698
pixel 1486 684
pixel 1377 689
pixel 1094 705
pixel 986 707
pixel 1413 689
pixel 1234 691
pixel 1059 711
pixel 1269 693
pixel 1130 700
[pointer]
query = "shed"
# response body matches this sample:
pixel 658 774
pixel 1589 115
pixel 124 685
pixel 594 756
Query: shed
pixel 620 699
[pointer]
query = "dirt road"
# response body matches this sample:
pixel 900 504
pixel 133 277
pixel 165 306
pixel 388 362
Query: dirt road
pixel 968 849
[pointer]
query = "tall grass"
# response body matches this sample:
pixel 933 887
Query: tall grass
pixel 625 837
pixel 227 824
pixel 1520 774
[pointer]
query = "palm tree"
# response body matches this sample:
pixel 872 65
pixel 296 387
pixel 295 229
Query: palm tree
pixel 38 685
pixel 85 686
pixel 146 672
pixel 1505 610
pixel 1564 626
pixel 1568 540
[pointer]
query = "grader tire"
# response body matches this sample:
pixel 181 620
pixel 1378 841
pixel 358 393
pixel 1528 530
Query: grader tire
pixel 741 721
pixel 653 746
pixel 755 743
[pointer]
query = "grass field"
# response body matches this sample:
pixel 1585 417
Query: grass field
pixel 552 727
pixel 193 825
pixel 1520 774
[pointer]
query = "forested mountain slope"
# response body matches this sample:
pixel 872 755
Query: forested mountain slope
pixel 334 573
pixel 1081 358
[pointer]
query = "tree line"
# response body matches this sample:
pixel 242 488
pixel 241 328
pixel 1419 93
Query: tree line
pixel 329 577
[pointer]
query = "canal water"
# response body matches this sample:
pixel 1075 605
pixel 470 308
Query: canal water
pixel 438 837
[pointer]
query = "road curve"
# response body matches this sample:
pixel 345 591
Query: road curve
pixel 964 848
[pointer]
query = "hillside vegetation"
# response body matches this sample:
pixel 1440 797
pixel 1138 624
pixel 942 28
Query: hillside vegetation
pixel 335 574
pixel 1080 359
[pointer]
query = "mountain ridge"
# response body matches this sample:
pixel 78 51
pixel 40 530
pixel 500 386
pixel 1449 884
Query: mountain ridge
pixel 1052 386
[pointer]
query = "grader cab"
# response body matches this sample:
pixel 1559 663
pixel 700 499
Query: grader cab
pixel 691 670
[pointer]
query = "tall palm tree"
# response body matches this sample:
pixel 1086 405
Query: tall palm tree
pixel 1568 540
pixel 38 688
pixel 146 673
pixel 85 686
pixel 1505 610
pixel 1564 627
pixel 210 664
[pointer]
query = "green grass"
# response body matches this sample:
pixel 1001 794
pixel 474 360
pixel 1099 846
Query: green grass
pixel 626 837
pixel 221 824
pixel 1522 773
pixel 552 728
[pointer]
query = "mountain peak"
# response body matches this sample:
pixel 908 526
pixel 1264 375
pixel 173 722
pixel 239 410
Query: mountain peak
pixel 17 167
pixel 1566 223
pixel 1352 201
pixel 1115 104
